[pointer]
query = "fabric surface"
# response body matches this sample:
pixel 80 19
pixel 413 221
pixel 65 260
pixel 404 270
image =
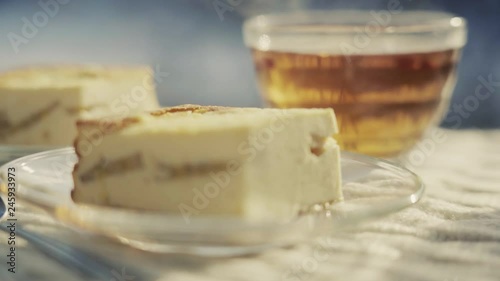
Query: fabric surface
pixel 453 234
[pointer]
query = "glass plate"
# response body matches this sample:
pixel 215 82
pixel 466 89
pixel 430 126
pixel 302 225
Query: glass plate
pixel 11 152
pixel 372 188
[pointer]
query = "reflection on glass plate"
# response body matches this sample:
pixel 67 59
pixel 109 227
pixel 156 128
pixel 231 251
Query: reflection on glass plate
pixel 11 152
pixel 372 188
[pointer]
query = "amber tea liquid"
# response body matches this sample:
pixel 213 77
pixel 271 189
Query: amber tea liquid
pixel 383 103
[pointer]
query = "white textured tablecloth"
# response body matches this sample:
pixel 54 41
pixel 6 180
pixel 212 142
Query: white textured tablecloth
pixel 453 234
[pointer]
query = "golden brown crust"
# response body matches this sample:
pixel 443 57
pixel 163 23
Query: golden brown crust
pixel 107 126
pixel 194 108
pixel 103 126
pixel 114 125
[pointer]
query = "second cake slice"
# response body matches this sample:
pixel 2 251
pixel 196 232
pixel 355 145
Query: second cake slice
pixel 40 105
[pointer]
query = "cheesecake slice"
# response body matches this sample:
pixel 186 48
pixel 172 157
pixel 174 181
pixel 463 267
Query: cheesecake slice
pixel 40 105
pixel 248 163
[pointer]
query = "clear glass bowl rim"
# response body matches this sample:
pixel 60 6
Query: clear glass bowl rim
pixel 350 21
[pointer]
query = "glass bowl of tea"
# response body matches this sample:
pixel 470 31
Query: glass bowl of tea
pixel 387 74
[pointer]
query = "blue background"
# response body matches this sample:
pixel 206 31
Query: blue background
pixel 204 53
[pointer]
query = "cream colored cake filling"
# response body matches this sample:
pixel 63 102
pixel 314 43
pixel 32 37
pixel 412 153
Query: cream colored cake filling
pixel 40 105
pixel 106 168
pixel 6 128
pixel 133 162
pixel 254 164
